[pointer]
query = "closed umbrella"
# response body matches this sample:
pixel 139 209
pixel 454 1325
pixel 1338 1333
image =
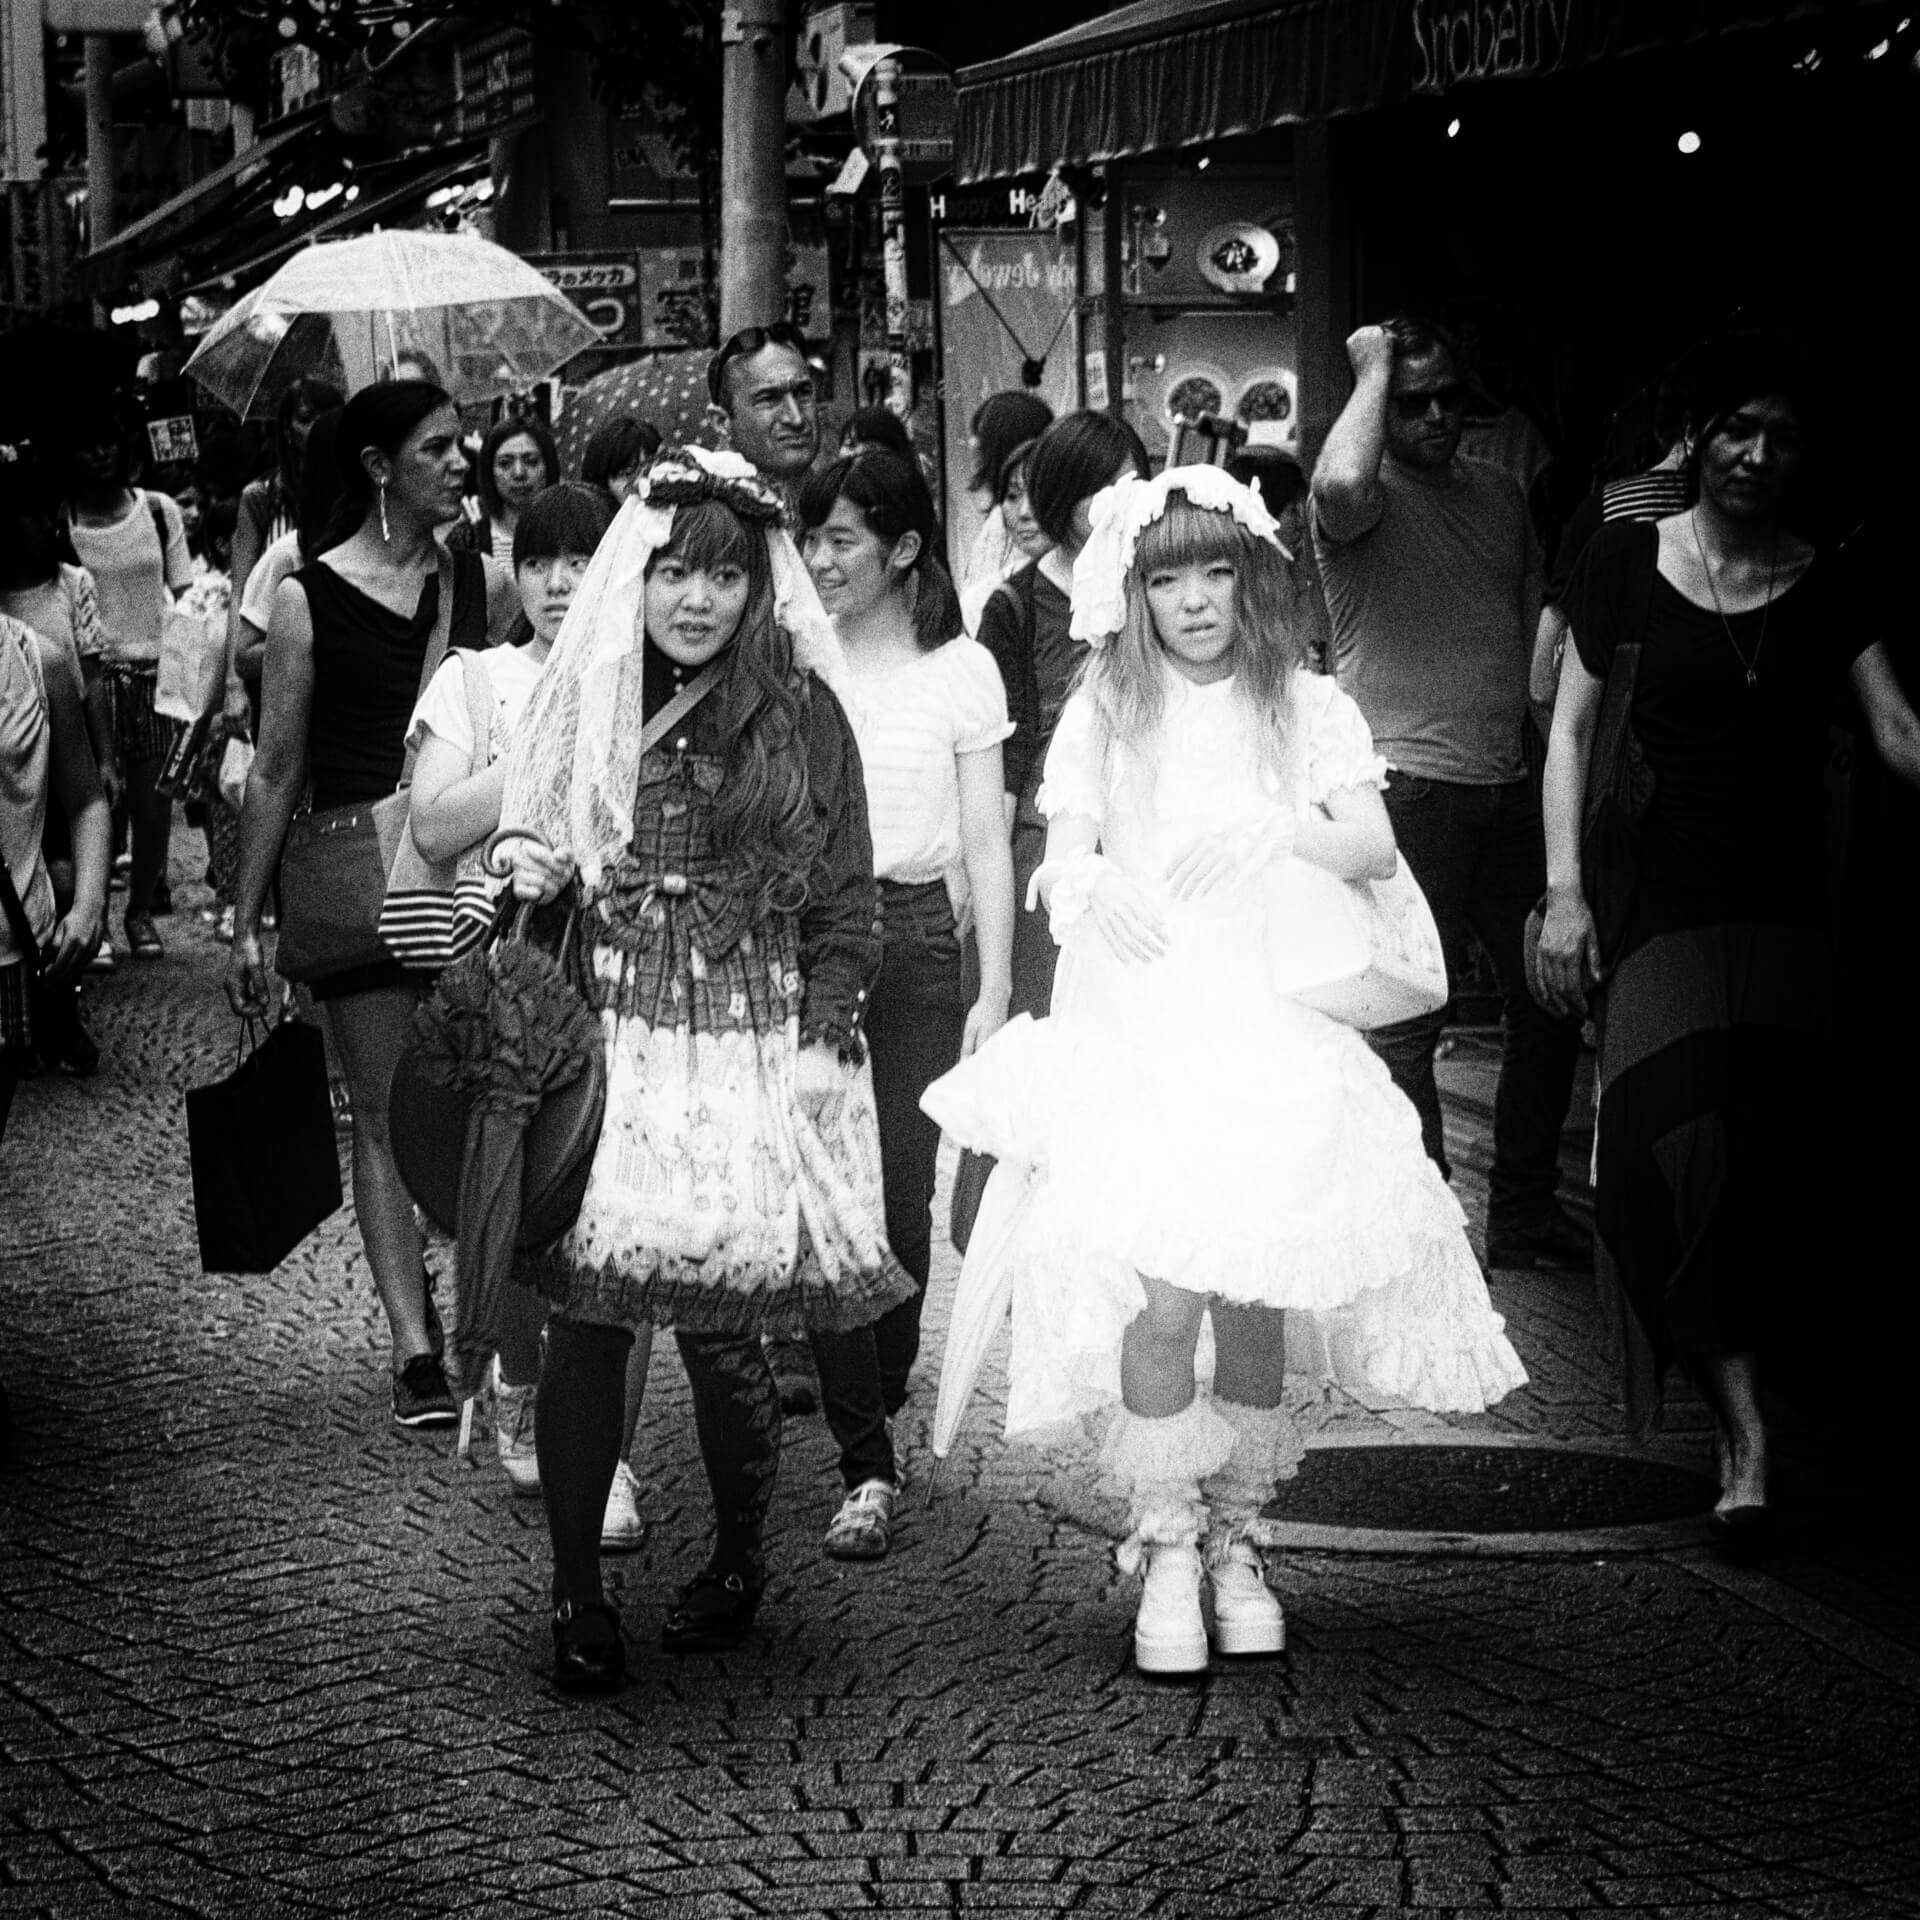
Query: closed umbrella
pixel 518 1059
pixel 980 1299
pixel 474 317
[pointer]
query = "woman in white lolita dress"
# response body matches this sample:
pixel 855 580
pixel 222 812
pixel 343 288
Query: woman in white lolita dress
pixel 1200 1142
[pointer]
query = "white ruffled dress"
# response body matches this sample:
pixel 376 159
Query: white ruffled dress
pixel 1184 1118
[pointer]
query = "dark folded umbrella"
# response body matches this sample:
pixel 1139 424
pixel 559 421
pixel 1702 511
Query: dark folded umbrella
pixel 507 1036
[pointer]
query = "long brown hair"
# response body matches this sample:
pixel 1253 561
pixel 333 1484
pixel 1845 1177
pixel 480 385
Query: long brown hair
pixel 1127 676
pixel 763 816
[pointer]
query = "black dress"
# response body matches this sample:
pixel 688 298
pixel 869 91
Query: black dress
pixel 1713 1055
pixel 366 683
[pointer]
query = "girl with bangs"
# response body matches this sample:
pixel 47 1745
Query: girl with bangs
pixel 1191 1140
pixel 696 793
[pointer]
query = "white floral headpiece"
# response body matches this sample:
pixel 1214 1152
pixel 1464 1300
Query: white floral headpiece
pixel 1123 511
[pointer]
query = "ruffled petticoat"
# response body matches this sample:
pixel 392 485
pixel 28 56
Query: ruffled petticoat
pixel 715 1204
pixel 1183 1120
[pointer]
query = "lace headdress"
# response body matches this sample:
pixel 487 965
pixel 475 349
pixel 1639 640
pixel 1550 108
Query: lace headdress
pixel 1122 512
pixel 574 767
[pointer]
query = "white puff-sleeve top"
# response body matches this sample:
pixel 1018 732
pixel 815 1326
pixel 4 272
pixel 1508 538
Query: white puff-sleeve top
pixel 1206 774
pixel 913 724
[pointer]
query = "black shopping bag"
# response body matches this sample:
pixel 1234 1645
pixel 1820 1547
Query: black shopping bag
pixel 266 1167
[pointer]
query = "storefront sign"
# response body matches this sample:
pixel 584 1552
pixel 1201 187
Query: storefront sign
pixel 646 171
pixel 673 302
pixel 35 236
pixel 673 298
pixel 493 81
pixel 604 286
pixel 1457 41
pixel 298 78
pixel 173 440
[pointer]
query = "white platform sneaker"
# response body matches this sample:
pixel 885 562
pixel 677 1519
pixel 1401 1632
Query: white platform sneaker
pixel 1246 1617
pixel 1170 1636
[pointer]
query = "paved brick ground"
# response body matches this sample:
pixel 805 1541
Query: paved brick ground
pixel 260 1656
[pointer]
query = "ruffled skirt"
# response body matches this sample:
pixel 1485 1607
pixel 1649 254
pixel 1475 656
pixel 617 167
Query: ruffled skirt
pixel 1245 1147
pixel 715 1204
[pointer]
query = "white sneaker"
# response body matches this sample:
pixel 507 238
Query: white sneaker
pixel 1246 1616
pixel 1169 1635
pixel 621 1528
pixel 513 1417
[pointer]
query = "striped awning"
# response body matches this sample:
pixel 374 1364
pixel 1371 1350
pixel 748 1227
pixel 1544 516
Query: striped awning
pixel 1164 74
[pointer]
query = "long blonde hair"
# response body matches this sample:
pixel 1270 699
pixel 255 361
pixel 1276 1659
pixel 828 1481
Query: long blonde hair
pixel 1127 677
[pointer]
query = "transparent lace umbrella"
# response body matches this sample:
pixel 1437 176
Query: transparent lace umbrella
pixel 448 307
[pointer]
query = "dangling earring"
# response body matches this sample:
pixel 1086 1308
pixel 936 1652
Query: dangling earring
pixel 386 532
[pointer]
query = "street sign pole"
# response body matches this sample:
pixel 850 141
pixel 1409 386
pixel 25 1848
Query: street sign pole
pixel 893 230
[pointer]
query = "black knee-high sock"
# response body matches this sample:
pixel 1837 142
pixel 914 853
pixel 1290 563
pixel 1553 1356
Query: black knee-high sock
pixel 577 1441
pixel 736 1411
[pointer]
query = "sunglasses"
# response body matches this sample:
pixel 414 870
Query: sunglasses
pixel 1413 406
pixel 749 340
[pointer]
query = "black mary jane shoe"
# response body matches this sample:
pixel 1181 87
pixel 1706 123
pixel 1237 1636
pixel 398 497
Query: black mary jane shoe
pixel 713 1614
pixel 1741 1533
pixel 588 1653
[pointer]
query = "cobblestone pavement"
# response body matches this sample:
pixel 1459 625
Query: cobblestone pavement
pixel 261 1656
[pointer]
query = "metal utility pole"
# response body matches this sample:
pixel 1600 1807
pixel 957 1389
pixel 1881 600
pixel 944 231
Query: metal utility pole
pixel 753 168
pixel 102 214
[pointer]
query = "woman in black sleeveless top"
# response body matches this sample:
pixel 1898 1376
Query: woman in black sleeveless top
pixel 1715 1051
pixel 345 648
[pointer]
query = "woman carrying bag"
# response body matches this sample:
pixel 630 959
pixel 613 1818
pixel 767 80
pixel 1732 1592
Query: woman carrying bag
pixel 352 639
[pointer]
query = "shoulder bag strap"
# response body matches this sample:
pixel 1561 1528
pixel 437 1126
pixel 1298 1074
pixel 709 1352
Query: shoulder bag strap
pixel 13 909
pixel 677 709
pixel 1030 691
pixel 479 686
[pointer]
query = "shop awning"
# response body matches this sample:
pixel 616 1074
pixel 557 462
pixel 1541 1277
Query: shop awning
pixel 391 201
pixel 1163 74
pixel 212 205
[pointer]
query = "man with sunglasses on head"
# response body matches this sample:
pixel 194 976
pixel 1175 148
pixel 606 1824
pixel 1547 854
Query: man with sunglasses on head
pixel 764 405
pixel 1433 583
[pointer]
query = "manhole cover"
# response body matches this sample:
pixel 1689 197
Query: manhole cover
pixel 1486 1490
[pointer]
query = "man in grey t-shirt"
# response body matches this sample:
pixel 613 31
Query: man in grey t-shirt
pixel 1433 582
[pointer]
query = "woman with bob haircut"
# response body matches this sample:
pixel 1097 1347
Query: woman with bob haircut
pixel 617 452
pixel 1000 423
pixel 725 878
pixel 930 716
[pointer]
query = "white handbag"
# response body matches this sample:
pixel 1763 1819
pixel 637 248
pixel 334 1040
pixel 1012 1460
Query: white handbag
pixel 1405 970
pixel 1363 952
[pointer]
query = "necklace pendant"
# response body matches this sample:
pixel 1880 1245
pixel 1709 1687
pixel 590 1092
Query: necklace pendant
pixel 1753 679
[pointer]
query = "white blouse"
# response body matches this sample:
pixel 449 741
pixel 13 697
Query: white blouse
pixel 912 722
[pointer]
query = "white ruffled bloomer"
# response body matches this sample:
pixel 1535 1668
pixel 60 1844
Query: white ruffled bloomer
pixel 1184 1119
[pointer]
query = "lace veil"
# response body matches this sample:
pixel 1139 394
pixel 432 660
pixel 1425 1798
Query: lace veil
pixel 574 767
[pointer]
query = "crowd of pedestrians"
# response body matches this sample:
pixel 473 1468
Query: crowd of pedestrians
pixel 854 852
